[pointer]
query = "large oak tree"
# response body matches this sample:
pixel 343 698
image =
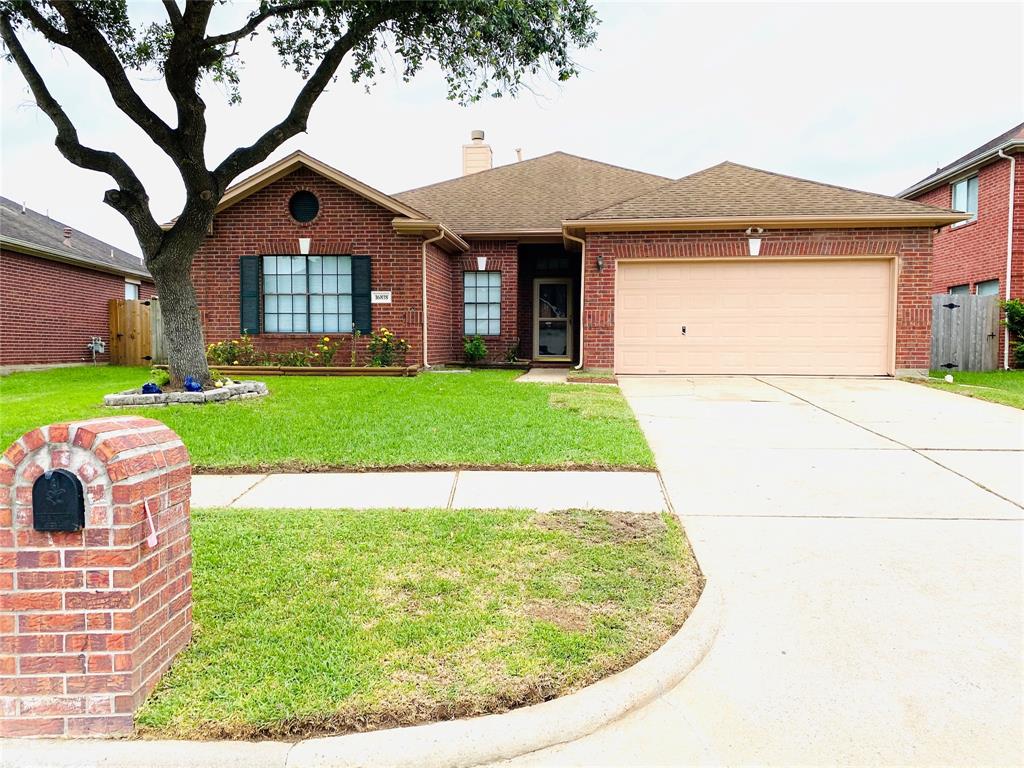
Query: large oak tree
pixel 482 47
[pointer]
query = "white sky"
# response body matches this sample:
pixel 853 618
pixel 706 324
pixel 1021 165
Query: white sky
pixel 871 96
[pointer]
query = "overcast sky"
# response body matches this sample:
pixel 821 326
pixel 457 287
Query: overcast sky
pixel 870 96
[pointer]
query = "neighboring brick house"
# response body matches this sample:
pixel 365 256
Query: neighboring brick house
pixel 564 260
pixel 985 254
pixel 55 285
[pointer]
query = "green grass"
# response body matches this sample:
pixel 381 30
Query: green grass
pixel 1006 387
pixel 482 418
pixel 317 622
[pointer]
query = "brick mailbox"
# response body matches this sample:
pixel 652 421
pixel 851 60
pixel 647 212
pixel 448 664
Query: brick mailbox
pixel 95 573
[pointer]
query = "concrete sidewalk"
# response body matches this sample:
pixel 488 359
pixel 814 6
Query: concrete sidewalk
pixel 476 489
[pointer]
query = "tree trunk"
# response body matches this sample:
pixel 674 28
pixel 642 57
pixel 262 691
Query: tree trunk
pixel 183 328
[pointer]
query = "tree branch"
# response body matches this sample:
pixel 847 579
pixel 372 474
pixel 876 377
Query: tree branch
pixel 84 39
pixel 130 199
pixel 256 20
pixel 244 158
pixel 173 13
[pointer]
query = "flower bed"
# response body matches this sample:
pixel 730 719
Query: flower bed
pixel 306 370
pixel 236 390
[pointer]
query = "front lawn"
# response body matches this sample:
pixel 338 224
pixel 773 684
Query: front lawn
pixel 327 621
pixel 1006 387
pixel 483 418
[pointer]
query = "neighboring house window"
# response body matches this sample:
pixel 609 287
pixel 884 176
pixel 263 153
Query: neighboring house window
pixel 965 196
pixel 307 294
pixel 482 299
pixel 987 288
pixel 131 290
pixel 960 289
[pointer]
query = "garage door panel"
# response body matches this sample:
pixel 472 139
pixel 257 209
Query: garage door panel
pixel 804 317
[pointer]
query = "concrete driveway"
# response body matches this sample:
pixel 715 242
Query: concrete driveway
pixel 867 535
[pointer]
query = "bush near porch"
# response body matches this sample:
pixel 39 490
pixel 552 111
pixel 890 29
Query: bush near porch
pixel 313 622
pixel 477 419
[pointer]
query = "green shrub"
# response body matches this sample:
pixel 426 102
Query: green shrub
pixel 474 349
pixel 1013 311
pixel 386 349
pixel 293 358
pixel 235 352
pixel 159 377
pixel 324 351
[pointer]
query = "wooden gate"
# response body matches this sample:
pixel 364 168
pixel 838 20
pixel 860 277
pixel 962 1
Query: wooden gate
pixel 136 332
pixel 965 332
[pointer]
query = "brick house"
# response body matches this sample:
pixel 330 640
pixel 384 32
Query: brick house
pixel 55 285
pixel 563 260
pixel 985 253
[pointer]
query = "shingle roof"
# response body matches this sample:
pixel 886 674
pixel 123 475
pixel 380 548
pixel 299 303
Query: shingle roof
pixel 729 190
pixel 977 154
pixel 531 195
pixel 40 232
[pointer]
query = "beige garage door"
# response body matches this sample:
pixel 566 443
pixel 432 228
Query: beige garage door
pixel 796 316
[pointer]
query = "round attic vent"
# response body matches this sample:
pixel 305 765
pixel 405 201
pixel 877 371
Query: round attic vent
pixel 304 206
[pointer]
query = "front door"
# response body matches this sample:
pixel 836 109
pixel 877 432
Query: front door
pixel 552 318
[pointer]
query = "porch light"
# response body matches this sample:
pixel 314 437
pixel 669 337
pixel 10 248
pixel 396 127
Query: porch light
pixel 600 262
pixel 481 263
pixel 754 240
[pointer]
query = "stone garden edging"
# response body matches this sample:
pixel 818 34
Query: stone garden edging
pixel 239 390
pixel 447 744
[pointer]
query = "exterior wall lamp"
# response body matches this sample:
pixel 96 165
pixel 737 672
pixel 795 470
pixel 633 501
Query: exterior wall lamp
pixel 600 262
pixel 754 240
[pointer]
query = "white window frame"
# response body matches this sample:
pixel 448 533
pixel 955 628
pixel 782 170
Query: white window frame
pixel 965 288
pixel 137 285
pixel 994 280
pixel 305 294
pixel 966 183
pixel 473 304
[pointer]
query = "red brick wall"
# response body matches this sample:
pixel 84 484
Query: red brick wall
pixel 90 620
pixel 346 224
pixel 441 335
pixel 976 251
pixel 501 256
pixel 913 246
pixel 49 310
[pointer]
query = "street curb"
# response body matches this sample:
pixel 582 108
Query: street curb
pixel 448 744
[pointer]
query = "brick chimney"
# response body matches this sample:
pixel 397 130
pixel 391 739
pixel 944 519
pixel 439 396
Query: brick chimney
pixel 476 156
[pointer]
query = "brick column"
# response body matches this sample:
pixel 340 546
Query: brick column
pixel 89 620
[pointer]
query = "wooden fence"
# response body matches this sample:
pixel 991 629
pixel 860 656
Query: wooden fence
pixel 136 332
pixel 965 332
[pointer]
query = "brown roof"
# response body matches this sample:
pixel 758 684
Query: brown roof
pixel 729 190
pixel 977 155
pixel 27 231
pixel 532 195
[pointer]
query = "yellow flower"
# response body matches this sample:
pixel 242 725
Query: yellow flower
pixel 235 363
pixel 327 338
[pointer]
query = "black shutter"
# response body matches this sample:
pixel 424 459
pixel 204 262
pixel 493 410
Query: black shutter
pixel 361 294
pixel 249 300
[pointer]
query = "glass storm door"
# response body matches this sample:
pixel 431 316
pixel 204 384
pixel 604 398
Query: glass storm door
pixel 552 318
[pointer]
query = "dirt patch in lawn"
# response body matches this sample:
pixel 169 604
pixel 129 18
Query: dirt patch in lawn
pixel 609 527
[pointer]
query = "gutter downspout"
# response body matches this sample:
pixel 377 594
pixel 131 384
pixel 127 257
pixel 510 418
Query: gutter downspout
pixel 583 285
pixel 1009 250
pixel 440 235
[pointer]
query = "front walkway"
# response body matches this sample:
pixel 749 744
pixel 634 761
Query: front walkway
pixel 541 491
pixel 867 538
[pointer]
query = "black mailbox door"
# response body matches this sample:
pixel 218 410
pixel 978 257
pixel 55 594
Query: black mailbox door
pixel 58 502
